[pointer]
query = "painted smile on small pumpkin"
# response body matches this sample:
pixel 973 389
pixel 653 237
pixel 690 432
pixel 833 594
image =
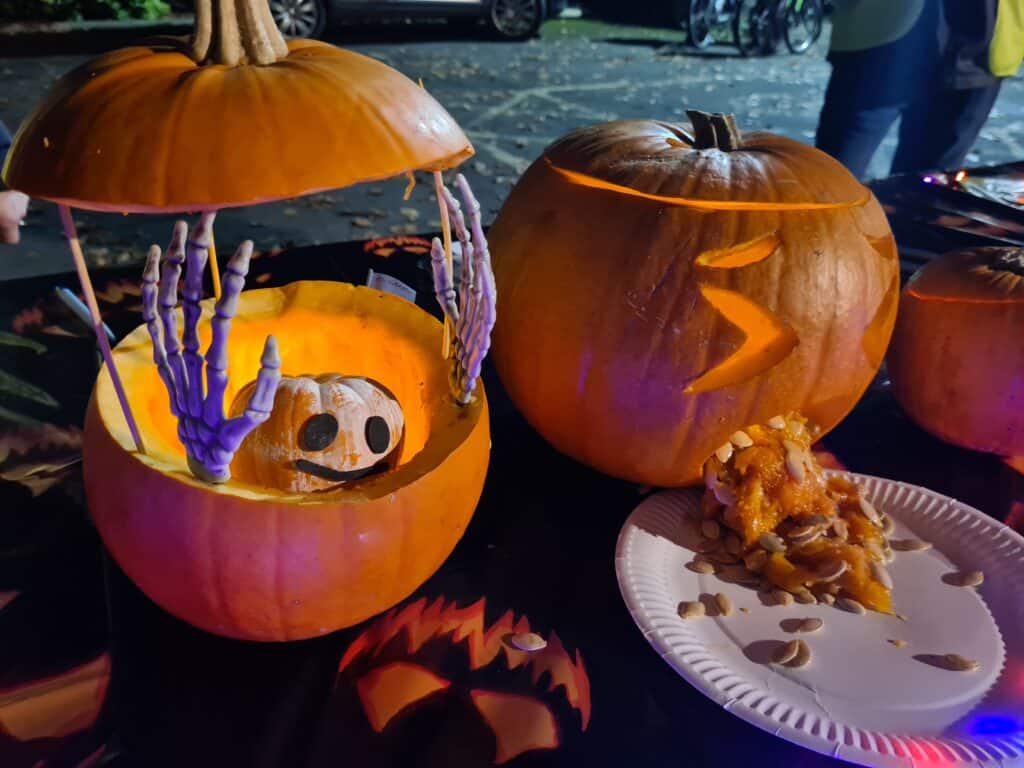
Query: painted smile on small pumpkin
pixel 337 475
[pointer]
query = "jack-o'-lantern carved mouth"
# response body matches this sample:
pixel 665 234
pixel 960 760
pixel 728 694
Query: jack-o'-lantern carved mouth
pixel 337 475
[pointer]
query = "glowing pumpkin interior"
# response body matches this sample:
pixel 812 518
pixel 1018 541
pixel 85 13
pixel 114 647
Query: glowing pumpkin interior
pixel 346 329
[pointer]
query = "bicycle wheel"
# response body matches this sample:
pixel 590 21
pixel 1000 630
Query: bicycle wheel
pixel 753 29
pixel 801 26
pixel 702 17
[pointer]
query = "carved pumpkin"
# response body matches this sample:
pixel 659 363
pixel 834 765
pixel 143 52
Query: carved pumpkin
pixel 210 123
pixel 323 430
pixel 260 563
pixel 433 660
pixel 957 356
pixel 658 292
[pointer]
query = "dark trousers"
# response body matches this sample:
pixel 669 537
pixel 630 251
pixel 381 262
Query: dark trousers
pixel 938 125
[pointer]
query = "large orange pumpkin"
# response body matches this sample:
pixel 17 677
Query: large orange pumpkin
pixel 211 122
pixel 957 356
pixel 657 292
pixel 257 563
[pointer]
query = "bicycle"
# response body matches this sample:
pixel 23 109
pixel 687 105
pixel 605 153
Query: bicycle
pixel 758 25
pixel 702 16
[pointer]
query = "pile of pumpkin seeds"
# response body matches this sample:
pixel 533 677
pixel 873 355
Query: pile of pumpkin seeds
pixel 721 552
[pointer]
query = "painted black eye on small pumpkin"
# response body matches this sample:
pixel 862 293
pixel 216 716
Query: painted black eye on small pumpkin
pixel 318 432
pixel 378 436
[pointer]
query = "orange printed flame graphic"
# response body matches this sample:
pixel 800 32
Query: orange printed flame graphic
pixel 420 622
pixel 385 246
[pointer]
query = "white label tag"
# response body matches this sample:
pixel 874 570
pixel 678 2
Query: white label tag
pixel 390 284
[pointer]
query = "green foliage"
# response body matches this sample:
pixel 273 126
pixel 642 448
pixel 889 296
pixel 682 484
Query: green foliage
pixel 64 10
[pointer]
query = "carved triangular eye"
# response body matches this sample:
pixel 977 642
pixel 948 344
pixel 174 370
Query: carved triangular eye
pixel 519 723
pixel 767 341
pixel 387 690
pixel 741 255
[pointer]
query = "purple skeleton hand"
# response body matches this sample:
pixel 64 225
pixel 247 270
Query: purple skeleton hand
pixel 209 438
pixel 471 311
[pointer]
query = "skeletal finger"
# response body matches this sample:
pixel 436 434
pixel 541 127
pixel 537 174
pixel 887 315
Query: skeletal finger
pixel 261 402
pixel 168 302
pixel 197 250
pixel 444 288
pixel 232 283
pixel 150 277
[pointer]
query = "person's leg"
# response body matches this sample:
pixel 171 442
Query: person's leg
pixel 939 134
pixel 852 124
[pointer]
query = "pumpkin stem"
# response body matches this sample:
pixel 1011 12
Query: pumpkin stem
pixel 234 32
pixel 714 130
pixel 1010 260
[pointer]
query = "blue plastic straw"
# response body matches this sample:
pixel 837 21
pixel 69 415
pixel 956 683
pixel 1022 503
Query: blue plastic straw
pixel 79 310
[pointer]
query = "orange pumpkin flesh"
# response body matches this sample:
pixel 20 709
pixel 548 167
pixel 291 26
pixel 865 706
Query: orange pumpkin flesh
pixel 693 290
pixel 761 495
pixel 147 129
pixel 957 356
pixel 254 563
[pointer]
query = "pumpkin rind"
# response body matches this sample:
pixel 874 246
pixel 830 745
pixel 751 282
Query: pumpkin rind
pixel 637 330
pixel 258 564
pixel 147 129
pixel 957 356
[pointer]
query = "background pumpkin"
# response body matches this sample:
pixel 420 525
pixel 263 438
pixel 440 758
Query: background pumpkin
pixel 957 355
pixel 657 292
pixel 260 564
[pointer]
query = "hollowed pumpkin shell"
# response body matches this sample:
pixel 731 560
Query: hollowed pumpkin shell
pixel 250 562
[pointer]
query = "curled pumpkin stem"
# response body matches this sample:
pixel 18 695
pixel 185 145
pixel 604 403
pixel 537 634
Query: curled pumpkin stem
pixel 210 439
pixel 471 310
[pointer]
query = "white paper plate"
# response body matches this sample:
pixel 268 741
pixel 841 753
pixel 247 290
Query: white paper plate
pixel 861 698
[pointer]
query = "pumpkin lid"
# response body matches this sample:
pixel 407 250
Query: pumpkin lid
pixel 714 168
pixel 234 116
pixel 984 274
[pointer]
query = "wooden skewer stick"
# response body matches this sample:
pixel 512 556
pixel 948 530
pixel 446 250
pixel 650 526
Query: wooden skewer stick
pixel 214 269
pixel 97 321
pixel 446 235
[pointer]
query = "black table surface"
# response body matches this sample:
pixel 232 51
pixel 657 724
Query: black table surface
pixel 93 673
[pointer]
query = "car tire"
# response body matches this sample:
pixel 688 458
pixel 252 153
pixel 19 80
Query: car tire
pixel 516 19
pixel 300 18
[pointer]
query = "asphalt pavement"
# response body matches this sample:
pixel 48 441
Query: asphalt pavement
pixel 512 99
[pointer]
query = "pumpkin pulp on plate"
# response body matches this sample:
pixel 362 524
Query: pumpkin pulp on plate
pixel 774 485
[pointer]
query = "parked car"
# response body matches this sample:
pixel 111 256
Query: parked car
pixel 508 19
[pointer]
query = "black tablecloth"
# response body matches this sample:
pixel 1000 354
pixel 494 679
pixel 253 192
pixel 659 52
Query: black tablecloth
pixel 93 673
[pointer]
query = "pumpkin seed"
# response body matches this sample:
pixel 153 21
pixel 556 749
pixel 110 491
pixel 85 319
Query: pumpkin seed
pixel 777 422
pixel 708 546
pixel 875 549
pixel 803 655
pixel 815 520
pixel 756 560
pixel 724 603
pixel 851 605
pixel 968 579
pixel 794 460
pixel 841 527
pixel 711 529
pixel 772 542
pixel 803 532
pixel 724 452
pixel 881 575
pixel 701 566
pixel 741 439
pixel 692 610
pixel 826 598
pixel 723 558
pixel 832 570
pixel 957 663
pixel 733 545
pixel 869 511
pixel 528 641
pixel 810 625
pixel 782 597
pixel 888 525
pixel 725 495
pixel 805 596
pixel 786 653
pixel 910 545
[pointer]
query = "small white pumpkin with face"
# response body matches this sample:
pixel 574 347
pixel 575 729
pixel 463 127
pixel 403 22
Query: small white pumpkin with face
pixel 324 430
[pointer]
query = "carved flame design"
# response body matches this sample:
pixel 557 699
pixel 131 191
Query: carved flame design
pixel 419 622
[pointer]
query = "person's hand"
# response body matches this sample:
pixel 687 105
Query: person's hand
pixel 13 206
